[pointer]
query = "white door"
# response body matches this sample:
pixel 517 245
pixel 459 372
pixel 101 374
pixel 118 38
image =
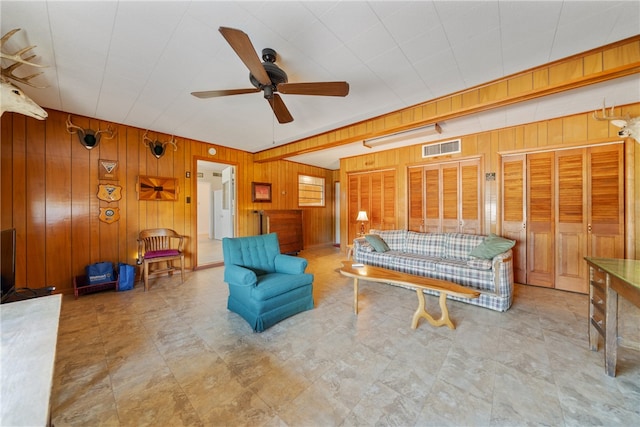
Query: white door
pixel 218 216
pixel 204 210
pixel 227 200
pixel 337 214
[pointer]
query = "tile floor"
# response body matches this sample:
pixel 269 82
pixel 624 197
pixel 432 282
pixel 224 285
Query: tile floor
pixel 209 250
pixel 176 356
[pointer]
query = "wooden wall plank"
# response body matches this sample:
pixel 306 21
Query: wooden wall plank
pixel 58 204
pixel 6 171
pixel 36 204
pixel 19 195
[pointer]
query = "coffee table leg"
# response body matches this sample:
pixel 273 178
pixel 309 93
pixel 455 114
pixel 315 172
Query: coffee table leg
pixel 422 313
pixel 355 295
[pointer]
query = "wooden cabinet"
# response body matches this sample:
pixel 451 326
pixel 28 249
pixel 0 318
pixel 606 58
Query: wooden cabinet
pixel 375 193
pixel 445 197
pixel 287 224
pixel 574 208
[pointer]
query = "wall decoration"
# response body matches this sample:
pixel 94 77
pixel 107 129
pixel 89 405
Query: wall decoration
pixel 109 215
pixel 109 192
pixel 89 138
pixel 260 192
pixel 157 188
pixel 108 169
pixel 158 147
pixel 13 98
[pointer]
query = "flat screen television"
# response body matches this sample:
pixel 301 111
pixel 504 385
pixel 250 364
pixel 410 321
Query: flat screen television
pixel 7 262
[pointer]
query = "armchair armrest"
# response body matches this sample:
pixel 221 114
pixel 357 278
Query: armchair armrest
pixel 237 275
pixel 289 264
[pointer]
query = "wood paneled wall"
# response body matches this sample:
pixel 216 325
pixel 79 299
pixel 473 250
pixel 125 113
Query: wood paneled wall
pixel 608 62
pixel 49 184
pixel 575 130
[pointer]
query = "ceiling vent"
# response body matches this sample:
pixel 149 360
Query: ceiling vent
pixel 447 147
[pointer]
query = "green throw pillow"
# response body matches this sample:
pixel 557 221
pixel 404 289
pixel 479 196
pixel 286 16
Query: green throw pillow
pixel 376 241
pixel 492 246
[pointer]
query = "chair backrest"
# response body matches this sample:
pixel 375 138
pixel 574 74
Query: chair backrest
pixel 255 252
pixel 158 239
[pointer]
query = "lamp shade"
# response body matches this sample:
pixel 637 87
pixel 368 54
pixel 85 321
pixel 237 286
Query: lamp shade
pixel 362 216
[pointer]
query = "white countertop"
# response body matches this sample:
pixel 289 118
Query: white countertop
pixel 29 332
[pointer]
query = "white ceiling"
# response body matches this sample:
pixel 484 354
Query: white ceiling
pixel 136 62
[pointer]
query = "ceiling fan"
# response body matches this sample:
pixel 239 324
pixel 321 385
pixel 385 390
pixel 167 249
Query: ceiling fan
pixel 269 78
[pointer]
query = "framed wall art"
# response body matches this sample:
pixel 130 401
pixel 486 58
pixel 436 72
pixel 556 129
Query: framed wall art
pixel 108 169
pixel 157 188
pixel 260 192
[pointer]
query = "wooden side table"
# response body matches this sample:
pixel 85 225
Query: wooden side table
pixel 349 252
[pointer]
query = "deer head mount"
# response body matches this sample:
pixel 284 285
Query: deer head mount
pixel 12 98
pixel 629 127
pixel 89 138
pixel 158 147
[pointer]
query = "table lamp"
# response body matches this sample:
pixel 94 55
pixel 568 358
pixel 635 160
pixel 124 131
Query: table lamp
pixel 362 217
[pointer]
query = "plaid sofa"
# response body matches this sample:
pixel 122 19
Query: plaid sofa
pixel 444 256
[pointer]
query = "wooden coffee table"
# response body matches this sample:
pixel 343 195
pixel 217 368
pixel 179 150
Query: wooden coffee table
pixel 419 283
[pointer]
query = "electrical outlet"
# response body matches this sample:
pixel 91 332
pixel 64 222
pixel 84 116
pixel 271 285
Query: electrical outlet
pixel 188 174
pixel 188 199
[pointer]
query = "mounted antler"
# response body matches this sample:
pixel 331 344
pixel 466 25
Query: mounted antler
pixel 157 147
pixel 13 98
pixel 88 137
pixel 629 127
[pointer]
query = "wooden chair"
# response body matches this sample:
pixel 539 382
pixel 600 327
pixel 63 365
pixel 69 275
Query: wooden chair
pixel 159 245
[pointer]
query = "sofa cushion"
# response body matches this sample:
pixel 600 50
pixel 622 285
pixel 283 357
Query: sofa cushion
pixel 480 264
pixel 429 244
pixel 377 242
pixel 491 246
pixel 395 239
pixel 458 245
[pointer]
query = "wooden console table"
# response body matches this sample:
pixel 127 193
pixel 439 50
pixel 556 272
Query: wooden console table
pixel 608 279
pixel 419 283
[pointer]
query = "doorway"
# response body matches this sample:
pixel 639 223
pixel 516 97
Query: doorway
pixel 215 209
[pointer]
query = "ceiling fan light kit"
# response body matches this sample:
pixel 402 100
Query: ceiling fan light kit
pixel 423 131
pixel 269 78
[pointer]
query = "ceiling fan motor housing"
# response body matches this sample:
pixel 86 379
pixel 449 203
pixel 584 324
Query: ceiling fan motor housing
pixel 275 73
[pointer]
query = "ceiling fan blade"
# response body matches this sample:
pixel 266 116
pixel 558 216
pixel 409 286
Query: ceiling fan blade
pixel 225 92
pixel 243 47
pixel 318 88
pixel 279 109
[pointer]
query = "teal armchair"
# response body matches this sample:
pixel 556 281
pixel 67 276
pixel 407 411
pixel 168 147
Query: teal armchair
pixel 265 286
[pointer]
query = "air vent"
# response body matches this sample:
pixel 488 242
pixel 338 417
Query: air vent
pixel 219 174
pixel 447 147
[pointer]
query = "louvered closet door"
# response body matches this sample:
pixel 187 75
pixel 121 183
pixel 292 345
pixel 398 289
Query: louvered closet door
pixel 470 218
pixel 374 211
pixel 450 198
pixel 540 219
pixel 605 226
pixel 354 206
pixel 388 205
pixel 513 212
pixel 571 224
pixel 416 199
pixel 432 185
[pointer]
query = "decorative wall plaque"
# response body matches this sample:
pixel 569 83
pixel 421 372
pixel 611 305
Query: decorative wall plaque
pixel 109 215
pixel 108 169
pixel 157 188
pixel 109 192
